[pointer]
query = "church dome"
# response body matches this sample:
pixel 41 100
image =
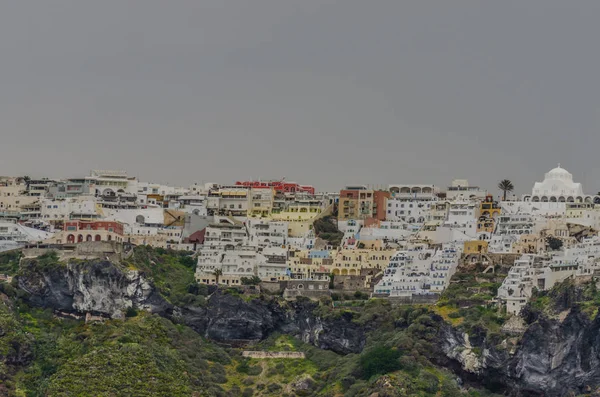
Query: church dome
pixel 558 186
pixel 560 174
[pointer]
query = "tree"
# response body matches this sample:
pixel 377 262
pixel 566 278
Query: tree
pixel 218 273
pixel 254 280
pixel 554 243
pixel 506 186
pixel 379 361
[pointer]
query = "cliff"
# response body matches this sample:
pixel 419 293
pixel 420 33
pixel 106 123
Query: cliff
pixel 99 287
pixel 558 352
pixel 104 288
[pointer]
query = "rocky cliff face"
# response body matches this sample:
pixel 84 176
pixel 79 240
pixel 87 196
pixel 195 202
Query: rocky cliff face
pixel 228 318
pixel 101 287
pixel 553 357
pixel 98 287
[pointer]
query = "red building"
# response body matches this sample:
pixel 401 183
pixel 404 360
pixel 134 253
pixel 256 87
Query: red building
pixel 80 231
pixel 279 186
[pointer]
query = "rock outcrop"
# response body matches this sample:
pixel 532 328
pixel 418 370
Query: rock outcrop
pixel 98 287
pixel 553 358
pixel 229 318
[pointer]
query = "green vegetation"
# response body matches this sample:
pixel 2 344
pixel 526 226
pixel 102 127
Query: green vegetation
pixel 564 296
pixel 172 272
pixel 553 243
pixel 467 303
pixel 9 262
pixel 146 355
pixel 379 361
pixel 326 228
pixel 142 356
pixel 254 280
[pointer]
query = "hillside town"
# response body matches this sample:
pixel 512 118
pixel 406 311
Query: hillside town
pixel 400 242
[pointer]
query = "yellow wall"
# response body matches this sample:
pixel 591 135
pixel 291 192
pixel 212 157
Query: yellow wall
pixel 475 246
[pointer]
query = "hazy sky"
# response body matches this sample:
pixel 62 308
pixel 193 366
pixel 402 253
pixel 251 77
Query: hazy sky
pixel 323 92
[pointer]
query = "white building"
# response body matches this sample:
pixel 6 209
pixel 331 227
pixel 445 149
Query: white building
pixel 225 232
pixel 264 233
pixel 112 183
pixel 410 211
pixel 419 271
pixel 82 207
pixel 515 224
pixel 461 190
pixel 558 187
pixel 233 263
pixel 13 235
pixel 149 216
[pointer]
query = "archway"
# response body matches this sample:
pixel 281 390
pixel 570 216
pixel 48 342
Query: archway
pixel 553 199
pixel 88 237
pixel 544 199
pixel 535 199
pixel 80 238
pixel 561 199
pixel 140 219
pixel 70 239
pixel 98 237
pixel 570 199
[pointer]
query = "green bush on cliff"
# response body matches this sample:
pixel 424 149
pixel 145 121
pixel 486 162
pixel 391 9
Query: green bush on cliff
pixel 9 262
pixel 171 271
pixel 379 361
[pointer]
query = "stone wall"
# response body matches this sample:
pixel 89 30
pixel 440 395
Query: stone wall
pixel 265 354
pixel 414 299
pixel 291 294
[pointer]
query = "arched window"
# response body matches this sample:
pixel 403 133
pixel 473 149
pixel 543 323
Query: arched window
pixel 140 219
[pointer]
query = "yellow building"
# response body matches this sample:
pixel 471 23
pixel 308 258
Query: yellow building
pixel 489 210
pixel 338 262
pixel 261 202
pixel 476 247
pixel 300 215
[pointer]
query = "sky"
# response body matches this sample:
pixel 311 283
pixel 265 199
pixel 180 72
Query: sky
pixel 323 92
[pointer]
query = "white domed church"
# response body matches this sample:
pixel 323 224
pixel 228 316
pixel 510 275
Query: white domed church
pixel 558 187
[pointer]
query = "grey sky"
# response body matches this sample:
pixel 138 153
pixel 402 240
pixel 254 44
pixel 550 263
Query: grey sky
pixel 324 92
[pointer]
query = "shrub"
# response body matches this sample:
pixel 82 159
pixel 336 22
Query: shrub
pixel 254 280
pixel 273 387
pixel 379 361
pixel 131 312
pixel 248 392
